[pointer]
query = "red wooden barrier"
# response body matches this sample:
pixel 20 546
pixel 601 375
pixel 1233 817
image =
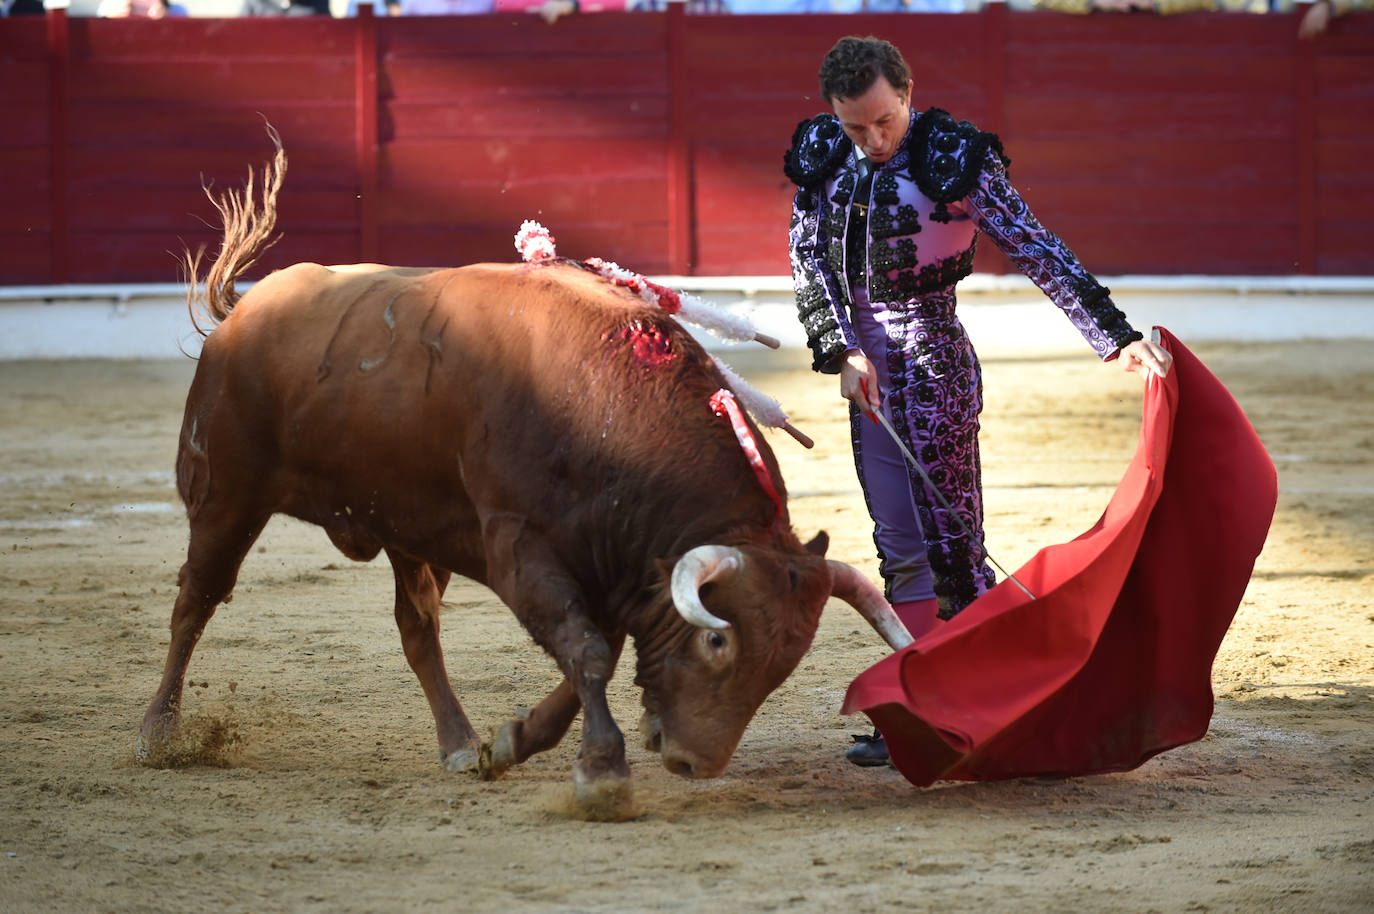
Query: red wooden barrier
pixel 1189 144
pixel 27 160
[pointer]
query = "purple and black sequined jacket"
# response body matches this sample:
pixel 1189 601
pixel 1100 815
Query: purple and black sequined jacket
pixel 947 180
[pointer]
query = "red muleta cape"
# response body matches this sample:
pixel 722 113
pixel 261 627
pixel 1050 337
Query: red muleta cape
pixel 1111 663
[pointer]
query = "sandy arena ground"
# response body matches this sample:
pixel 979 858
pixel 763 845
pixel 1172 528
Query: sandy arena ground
pixel 313 782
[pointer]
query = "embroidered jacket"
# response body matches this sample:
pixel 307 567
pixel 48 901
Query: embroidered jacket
pixel 948 180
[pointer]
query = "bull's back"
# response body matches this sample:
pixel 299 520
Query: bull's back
pixel 362 397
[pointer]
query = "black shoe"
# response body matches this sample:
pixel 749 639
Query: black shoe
pixel 868 751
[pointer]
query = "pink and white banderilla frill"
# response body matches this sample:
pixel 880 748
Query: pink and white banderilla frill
pixel 535 243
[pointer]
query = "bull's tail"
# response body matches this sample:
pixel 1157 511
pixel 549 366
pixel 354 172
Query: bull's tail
pixel 248 227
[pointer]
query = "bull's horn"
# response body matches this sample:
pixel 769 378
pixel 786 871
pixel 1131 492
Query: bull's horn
pixel 699 565
pixel 858 591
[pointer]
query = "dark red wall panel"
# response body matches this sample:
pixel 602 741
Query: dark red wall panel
pixel 1201 143
pixel 489 121
pixel 1344 150
pixel 26 187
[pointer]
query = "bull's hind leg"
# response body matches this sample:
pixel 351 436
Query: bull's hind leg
pixel 544 727
pixel 417 616
pixel 220 537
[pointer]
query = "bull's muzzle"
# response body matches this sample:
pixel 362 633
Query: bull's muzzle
pixel 687 764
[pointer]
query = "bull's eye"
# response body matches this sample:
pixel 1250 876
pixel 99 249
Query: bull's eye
pixel 793 578
pixel 716 648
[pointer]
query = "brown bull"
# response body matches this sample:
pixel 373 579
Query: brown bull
pixel 530 427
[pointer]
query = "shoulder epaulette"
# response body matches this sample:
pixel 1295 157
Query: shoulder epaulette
pixel 947 155
pixel 818 148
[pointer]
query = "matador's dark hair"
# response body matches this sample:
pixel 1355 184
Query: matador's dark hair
pixel 854 65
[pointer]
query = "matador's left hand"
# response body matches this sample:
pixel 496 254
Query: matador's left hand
pixel 1144 356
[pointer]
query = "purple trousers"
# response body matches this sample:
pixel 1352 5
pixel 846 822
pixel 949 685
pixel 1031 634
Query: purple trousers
pixel 933 392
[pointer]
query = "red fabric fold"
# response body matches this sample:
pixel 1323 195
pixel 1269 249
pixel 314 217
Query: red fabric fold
pixel 1111 663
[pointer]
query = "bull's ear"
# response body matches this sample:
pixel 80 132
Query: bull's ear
pixel 819 544
pixel 664 568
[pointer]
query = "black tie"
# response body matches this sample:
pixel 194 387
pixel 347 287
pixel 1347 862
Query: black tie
pixel 855 252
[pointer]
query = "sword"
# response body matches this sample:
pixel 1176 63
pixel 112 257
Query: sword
pixel 880 418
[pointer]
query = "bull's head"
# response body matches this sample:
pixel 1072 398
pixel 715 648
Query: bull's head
pixel 753 612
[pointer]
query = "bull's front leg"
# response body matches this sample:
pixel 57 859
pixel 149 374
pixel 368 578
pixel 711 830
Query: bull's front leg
pixel 527 574
pixel 542 728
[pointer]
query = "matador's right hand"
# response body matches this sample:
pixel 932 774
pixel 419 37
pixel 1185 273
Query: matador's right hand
pixel 859 381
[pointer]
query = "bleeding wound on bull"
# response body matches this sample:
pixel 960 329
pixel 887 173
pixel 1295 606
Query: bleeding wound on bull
pixel 650 345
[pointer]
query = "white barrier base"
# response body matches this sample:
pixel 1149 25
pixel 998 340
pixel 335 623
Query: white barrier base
pixel 150 321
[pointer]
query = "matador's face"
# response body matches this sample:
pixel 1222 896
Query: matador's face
pixel 877 120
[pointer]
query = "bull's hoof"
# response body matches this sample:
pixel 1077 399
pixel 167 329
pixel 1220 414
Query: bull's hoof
pixel 606 800
pixel 462 761
pixel 155 738
pixel 498 756
pixel 206 739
